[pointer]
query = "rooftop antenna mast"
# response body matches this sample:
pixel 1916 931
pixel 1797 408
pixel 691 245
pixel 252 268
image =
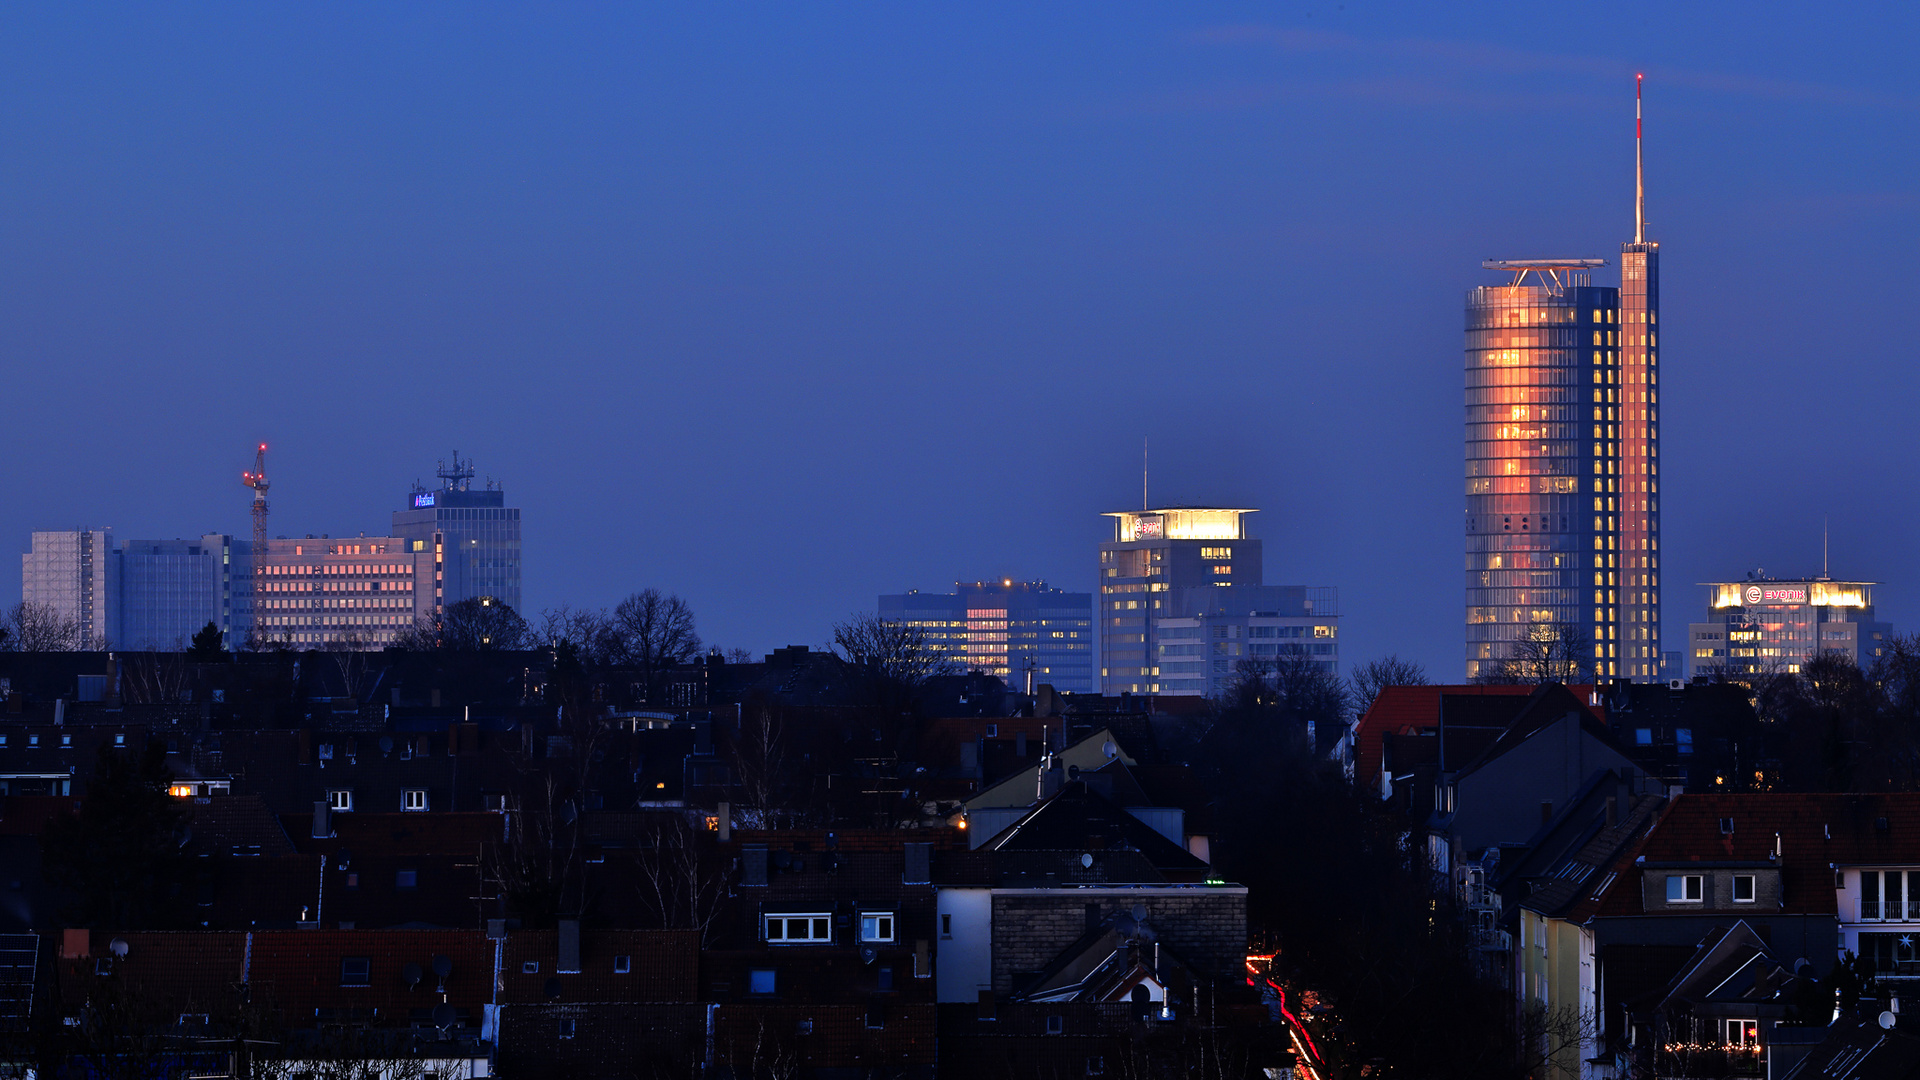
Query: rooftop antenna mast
pixel 1144 504
pixel 1639 173
pixel 459 476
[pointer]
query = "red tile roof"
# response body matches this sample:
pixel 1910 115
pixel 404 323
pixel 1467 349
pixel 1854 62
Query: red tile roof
pixel 1404 709
pixel 1815 831
pixel 301 971
pixel 664 967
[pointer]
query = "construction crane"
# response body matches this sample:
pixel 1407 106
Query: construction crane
pixel 257 480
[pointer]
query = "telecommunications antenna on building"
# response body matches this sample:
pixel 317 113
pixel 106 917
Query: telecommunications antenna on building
pixel 459 476
pixel 1639 173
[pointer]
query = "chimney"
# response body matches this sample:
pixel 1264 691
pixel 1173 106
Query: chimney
pixel 569 947
pixel 1020 745
pixel 1613 811
pixel 322 820
pixel 726 822
pixel 919 864
pixel 76 944
pixel 1546 811
pixel 753 864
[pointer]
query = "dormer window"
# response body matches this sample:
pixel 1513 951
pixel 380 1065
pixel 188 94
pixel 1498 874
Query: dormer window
pixel 876 926
pixel 340 800
pixel 1743 888
pixel 811 928
pixel 1685 889
pixel 413 799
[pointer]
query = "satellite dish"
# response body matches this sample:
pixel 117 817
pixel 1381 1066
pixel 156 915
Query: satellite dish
pixel 1802 966
pixel 1086 860
pixel 443 966
pixel 552 989
pixel 1139 913
pixel 411 974
pixel 443 1015
pixel 1110 749
pixel 1887 1020
pixel 343 858
pixel 386 744
pixel 119 947
pixel 867 955
pixel 1073 772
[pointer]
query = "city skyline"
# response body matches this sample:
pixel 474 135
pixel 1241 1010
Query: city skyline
pixel 1290 209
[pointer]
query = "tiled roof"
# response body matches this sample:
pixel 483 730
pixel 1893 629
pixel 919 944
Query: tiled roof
pixel 164 974
pixel 826 1036
pixel 664 966
pixel 1079 820
pixel 301 970
pixel 237 825
pixel 1815 830
pixel 1403 708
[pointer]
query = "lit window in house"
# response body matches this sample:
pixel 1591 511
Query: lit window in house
pixel 876 926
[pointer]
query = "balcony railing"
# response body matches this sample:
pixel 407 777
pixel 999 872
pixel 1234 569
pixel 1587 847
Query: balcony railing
pixel 1890 910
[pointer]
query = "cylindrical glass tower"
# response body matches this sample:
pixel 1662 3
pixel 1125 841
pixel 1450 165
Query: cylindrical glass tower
pixel 1542 442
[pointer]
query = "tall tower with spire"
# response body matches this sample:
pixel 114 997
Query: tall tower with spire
pixel 1562 525
pixel 1639 420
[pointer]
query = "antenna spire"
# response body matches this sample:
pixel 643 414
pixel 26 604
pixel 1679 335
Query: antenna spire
pixel 1639 173
pixel 1144 504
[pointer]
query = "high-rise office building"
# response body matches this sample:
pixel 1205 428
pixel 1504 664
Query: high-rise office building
pixel 473 531
pixel 1018 630
pixel 1562 459
pixel 1765 624
pixel 363 591
pixel 74 575
pixel 171 589
pixel 1181 600
pixel 138 594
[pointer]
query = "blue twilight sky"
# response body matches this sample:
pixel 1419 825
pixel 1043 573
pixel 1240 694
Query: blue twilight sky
pixel 783 306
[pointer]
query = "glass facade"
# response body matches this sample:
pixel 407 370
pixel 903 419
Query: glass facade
pixel 171 589
pixel 1561 473
pixel 477 537
pixel 1006 628
pixel 1768 625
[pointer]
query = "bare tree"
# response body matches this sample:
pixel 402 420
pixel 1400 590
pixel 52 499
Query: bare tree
pixel 1368 679
pixel 761 768
pixel 894 658
pixel 682 879
pixel 153 678
pixel 656 633
pixel 42 628
pixel 538 865
pixel 740 656
pixel 1548 652
pixel 591 632
pixel 476 624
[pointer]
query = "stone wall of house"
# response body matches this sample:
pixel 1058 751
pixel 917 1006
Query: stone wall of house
pixel 1205 927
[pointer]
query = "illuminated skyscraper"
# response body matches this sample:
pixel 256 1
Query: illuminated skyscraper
pixel 1019 630
pixel 472 531
pixel 1562 459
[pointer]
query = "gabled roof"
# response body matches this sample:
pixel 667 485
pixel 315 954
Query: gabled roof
pixel 1021 788
pixel 1105 964
pixel 1732 966
pixel 1858 1049
pixel 1568 884
pixel 1079 821
pixel 1401 709
pixel 1547 705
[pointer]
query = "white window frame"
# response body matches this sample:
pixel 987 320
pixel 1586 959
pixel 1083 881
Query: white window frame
pixel 1691 883
pixel 407 799
pixel 340 800
pixel 816 927
pixel 885 927
pixel 1753 891
pixel 1740 1031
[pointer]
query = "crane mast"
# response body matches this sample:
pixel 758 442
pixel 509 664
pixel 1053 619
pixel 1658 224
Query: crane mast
pixel 256 560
